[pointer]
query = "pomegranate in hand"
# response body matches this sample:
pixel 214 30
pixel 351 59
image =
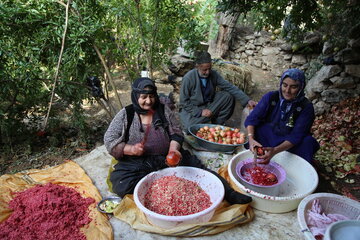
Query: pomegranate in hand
pixel 173 159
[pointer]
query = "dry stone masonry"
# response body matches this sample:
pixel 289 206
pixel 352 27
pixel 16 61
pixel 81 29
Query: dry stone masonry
pixel 332 76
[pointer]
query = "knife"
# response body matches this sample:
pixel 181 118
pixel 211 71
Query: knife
pixel 255 156
pixel 151 111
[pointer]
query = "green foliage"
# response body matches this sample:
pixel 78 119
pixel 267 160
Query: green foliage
pixel 147 31
pixel 29 51
pixel 132 34
pixel 333 18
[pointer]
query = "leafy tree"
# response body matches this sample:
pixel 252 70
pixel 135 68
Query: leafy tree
pixel 99 34
pixel 147 31
pixel 29 50
pixel 331 17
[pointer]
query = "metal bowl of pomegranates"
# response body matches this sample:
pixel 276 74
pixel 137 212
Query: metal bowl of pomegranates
pixel 217 138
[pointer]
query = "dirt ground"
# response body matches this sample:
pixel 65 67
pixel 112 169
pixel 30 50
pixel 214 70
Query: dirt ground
pixel 37 158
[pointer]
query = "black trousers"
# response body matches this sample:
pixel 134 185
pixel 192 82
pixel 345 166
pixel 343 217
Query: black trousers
pixel 131 169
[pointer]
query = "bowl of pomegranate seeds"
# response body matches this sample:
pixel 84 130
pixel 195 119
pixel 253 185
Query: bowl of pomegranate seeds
pixel 264 178
pixel 178 196
pixel 217 138
pixel 301 180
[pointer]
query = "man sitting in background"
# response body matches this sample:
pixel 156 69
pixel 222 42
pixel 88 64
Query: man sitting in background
pixel 199 100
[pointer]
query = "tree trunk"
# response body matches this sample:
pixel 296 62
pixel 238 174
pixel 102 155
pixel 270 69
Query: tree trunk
pixel 227 23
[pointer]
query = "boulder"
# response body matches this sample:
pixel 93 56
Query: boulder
pixel 180 65
pixel 353 70
pixel 348 56
pixel 318 83
pixel 340 82
pixel 298 59
pixel 320 107
pixel 270 51
pixel 333 95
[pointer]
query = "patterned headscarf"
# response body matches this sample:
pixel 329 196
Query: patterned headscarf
pixel 138 87
pixel 298 76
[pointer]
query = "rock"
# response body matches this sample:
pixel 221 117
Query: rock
pixel 327 72
pixel 354 43
pixel 340 82
pixel 249 37
pixel 181 65
pixel 286 47
pixel 347 56
pixel 250 46
pixel 249 52
pixel 287 57
pixel 298 59
pixel 327 48
pixel 318 83
pixel 257 63
pixel 353 70
pixel 259 41
pixel 333 95
pixel 320 107
pixel 270 51
pixel 312 38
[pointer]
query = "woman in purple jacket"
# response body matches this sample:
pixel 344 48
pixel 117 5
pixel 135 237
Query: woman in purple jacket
pixel 282 120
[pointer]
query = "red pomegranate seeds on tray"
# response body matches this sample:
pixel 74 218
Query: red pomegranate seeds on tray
pixel 47 211
pixel 175 196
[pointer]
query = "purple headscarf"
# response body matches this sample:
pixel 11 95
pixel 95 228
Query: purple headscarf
pixel 296 75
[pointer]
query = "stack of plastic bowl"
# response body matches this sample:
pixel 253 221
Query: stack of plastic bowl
pixel 206 180
pixel 301 180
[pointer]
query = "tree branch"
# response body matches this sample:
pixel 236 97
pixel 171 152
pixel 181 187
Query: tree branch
pixel 111 80
pixel 59 62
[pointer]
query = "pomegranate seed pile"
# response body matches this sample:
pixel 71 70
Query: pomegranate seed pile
pixel 259 175
pixel 175 196
pixel 47 211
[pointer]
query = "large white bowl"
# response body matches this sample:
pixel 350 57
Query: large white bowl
pixel 301 180
pixel 206 180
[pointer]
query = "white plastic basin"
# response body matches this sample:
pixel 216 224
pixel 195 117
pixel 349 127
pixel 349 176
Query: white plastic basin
pixel 206 180
pixel 301 180
pixel 330 203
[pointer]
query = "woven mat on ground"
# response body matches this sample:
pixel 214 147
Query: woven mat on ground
pixel 67 174
pixel 226 216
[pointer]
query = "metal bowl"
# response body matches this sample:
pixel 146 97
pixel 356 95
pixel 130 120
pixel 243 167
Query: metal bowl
pixel 104 201
pixel 212 146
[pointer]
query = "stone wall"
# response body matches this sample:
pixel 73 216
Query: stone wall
pixel 335 77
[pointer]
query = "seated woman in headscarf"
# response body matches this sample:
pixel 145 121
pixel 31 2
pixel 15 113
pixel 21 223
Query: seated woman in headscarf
pixel 282 120
pixel 141 136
